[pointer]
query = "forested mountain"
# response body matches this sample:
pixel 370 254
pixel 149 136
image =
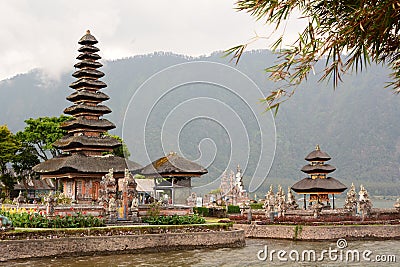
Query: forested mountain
pixel 357 124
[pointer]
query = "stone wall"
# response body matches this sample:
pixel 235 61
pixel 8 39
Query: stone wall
pixel 22 249
pixel 328 232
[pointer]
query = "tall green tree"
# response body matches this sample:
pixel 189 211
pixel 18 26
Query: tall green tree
pixel 25 158
pixel 122 150
pixel 41 133
pixel 8 148
pixel 346 35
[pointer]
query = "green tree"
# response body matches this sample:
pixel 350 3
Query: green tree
pixel 346 35
pixel 8 147
pixel 122 150
pixel 25 158
pixel 41 133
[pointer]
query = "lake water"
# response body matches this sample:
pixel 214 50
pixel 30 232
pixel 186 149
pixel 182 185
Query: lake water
pixel 246 256
pixel 376 202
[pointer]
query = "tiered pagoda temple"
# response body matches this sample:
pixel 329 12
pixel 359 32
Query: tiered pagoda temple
pixel 86 147
pixel 317 185
pixel 172 177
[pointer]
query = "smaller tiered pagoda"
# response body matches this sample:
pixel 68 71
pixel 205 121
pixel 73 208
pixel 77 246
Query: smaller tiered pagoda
pixel 317 184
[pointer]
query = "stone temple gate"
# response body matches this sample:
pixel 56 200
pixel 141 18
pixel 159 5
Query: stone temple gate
pixel 119 197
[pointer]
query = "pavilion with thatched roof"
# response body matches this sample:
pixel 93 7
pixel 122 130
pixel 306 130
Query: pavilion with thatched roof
pixel 86 146
pixel 172 177
pixel 317 185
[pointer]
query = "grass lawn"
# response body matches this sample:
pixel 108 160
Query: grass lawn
pixel 213 219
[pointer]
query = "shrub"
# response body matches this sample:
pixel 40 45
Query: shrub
pixel 37 220
pixel 62 199
pixel 233 209
pixel 202 211
pixel 7 201
pixel 256 206
pixel 174 220
pixel 154 210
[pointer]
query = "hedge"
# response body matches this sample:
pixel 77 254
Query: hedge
pixel 233 209
pixel 202 211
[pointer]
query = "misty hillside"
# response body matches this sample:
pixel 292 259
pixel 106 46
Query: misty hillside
pixel 357 124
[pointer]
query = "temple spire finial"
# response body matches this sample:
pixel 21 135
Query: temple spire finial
pixel 317 148
pixel 87 31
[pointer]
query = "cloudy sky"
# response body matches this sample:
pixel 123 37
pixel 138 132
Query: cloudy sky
pixel 44 33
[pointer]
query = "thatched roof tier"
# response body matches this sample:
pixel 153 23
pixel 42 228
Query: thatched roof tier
pixel 86 164
pixel 88 56
pixel 82 108
pixel 88 73
pixel 71 141
pixel 145 185
pixel 88 95
pixel 325 168
pixel 173 165
pixel 88 64
pixel 87 82
pixel 87 88
pixel 101 124
pixel 87 39
pixel 317 155
pixel 88 48
pixel 321 186
pixel 34 184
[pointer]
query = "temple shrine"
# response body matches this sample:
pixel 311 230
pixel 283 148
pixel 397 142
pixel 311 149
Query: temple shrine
pixel 172 176
pixel 317 184
pixel 87 149
pixel 232 189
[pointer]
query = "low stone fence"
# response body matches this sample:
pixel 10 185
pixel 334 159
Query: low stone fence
pixel 166 210
pixel 118 244
pixel 377 214
pixel 323 232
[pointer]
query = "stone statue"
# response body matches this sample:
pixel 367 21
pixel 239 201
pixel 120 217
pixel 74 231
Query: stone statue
pixel 112 205
pixel 317 208
pixel 364 203
pixel 109 185
pixel 134 210
pixel 135 204
pixel 20 199
pixel 291 201
pixel 397 204
pixel 269 201
pixel 280 205
pixel 129 188
pixel 109 177
pixel 238 180
pixel 112 209
pixel 350 203
pixel 50 201
pixel 191 200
